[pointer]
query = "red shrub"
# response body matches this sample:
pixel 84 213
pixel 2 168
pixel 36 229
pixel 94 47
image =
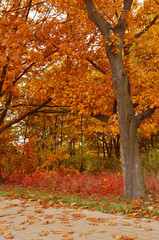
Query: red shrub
pixel 83 184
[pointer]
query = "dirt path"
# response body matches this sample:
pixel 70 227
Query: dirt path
pixel 34 220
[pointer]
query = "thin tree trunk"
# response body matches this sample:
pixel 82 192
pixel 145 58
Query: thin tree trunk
pixel 55 139
pixel 103 140
pixel 98 148
pixel 117 146
pixel 61 141
pixel 1 181
pixel 82 143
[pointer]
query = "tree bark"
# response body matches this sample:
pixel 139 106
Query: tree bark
pixel 132 173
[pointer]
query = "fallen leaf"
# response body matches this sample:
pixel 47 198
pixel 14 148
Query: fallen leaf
pixel 126 224
pixel 130 237
pixel 129 217
pixel 20 228
pixel 69 225
pixel 68 238
pixel 36 239
pixel 48 222
pixel 74 204
pixel 117 236
pixel 77 216
pixel 148 229
pixel 44 233
pixel 70 232
pixel 48 216
pixel 94 224
pixel 32 216
pixel 138 226
pixel 8 235
pixel 39 211
pixel 110 223
pixel 134 207
pixel 65 235
pixel 58 231
pixel 2 228
pixel 99 220
pixel 84 234
pixel 4 221
pixel 138 220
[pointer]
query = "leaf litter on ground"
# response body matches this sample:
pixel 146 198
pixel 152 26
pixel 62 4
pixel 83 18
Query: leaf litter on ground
pixel 138 207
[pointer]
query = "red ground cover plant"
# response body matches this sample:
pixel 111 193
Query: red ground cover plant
pixel 84 184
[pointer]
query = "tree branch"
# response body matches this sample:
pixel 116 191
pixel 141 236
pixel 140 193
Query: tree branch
pixel 26 70
pixel 29 8
pixel 97 19
pixel 127 46
pixel 145 114
pixel 147 27
pixel 3 74
pixel 127 4
pixel 95 65
pixel 20 8
pixel 8 102
pixel 101 117
pixel 25 115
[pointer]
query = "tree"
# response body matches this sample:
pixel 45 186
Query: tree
pixel 128 121
pixel 28 44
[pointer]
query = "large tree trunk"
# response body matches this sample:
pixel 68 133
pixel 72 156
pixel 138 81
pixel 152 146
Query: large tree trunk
pixel 132 173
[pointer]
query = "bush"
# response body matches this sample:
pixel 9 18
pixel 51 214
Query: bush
pixel 150 162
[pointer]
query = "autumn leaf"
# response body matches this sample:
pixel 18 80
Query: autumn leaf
pixel 117 236
pixel 39 211
pixel 44 233
pixel 57 231
pixel 5 227
pixel 8 235
pixel 138 226
pixel 126 224
pixel 19 228
pixel 110 223
pixel 48 216
pixel 148 229
pixel 77 216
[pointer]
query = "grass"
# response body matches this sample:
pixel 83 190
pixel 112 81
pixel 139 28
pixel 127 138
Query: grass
pixel 107 204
